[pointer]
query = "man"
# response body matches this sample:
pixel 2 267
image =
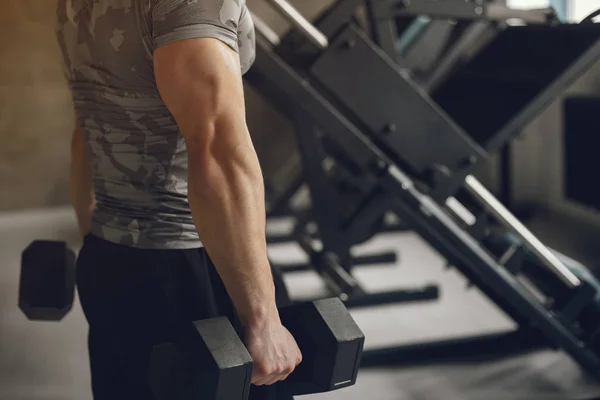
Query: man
pixel 164 179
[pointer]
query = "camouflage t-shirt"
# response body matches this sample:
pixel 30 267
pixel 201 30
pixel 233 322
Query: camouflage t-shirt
pixel 138 155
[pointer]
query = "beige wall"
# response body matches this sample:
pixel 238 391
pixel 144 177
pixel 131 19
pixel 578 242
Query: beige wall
pixel 537 154
pixel 35 113
pixel 538 158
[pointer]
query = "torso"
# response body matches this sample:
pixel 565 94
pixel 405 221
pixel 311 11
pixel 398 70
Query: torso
pixel 138 155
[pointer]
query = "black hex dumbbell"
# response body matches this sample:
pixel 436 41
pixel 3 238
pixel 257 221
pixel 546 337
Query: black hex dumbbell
pixel 210 362
pixel 47 281
pixel 331 344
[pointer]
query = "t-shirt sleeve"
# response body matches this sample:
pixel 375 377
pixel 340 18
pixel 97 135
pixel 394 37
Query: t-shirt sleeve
pixel 174 20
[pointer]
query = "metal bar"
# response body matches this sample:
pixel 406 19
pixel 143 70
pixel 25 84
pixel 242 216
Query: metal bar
pixel 374 208
pixel 474 10
pixel 265 30
pixel 461 250
pixel 516 227
pixel 499 12
pixel 446 9
pixel 280 238
pixel 322 193
pixel 479 33
pixel 338 16
pixel 375 259
pixel 483 347
pixel 426 293
pixel 371 260
pixel 384 30
pixel 401 296
pixel 326 264
pixel 387 37
pixel 461 211
pixel 292 15
pixel 411 35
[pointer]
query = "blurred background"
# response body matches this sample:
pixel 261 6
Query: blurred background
pixel 546 176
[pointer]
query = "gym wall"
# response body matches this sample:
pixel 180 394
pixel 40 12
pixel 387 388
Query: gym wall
pixel 579 9
pixel 36 112
pixel 538 156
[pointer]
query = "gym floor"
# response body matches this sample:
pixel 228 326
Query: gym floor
pixel 48 361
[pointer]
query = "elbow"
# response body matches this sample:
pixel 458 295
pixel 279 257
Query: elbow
pixel 201 140
pixel 221 144
pixel 206 162
pixel 205 167
pixel 216 166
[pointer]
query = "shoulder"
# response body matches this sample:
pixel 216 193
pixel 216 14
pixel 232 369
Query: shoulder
pixel 185 19
pixel 222 12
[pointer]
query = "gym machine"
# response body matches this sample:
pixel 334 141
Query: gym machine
pixel 326 238
pixel 286 197
pixel 336 184
pixel 415 149
pixel 420 34
pixel 284 204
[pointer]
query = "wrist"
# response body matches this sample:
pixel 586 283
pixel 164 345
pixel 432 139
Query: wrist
pixel 260 315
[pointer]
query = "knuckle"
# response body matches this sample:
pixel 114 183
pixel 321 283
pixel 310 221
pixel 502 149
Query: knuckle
pixel 263 369
pixel 280 369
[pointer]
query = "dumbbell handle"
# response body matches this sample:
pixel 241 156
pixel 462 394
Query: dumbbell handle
pixel 292 15
pixel 530 241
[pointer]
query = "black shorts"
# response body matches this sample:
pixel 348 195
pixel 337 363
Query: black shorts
pixel 126 295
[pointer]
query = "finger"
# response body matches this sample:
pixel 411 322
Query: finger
pixel 284 377
pixel 258 379
pixel 263 380
pixel 274 379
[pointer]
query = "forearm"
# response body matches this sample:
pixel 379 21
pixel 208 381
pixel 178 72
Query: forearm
pixel 226 196
pixel 81 188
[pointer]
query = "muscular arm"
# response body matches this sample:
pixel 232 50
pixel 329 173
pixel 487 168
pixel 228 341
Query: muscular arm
pixel 200 82
pixel 81 188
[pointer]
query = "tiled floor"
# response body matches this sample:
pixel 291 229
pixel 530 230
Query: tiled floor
pixel 48 361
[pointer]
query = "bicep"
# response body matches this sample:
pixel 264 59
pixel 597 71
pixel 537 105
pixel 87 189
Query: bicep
pixel 201 48
pixel 200 82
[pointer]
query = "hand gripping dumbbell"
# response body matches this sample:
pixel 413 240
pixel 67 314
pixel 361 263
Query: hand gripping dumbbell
pixel 209 361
